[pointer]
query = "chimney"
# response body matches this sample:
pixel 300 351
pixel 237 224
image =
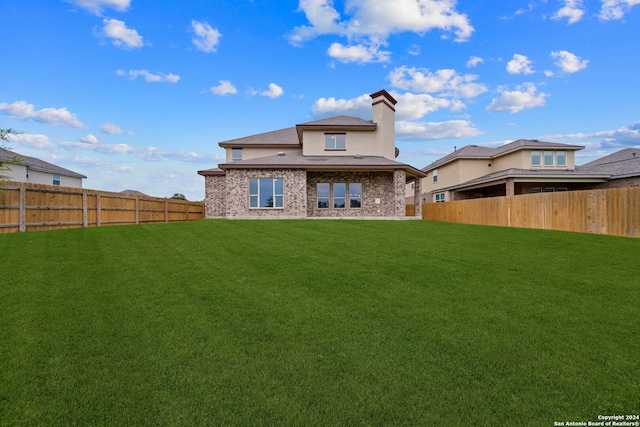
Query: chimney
pixel 384 111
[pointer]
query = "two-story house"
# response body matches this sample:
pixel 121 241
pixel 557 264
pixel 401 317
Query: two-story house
pixel 36 171
pixel 520 167
pixel 336 167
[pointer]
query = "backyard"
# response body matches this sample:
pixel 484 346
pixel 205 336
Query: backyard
pixel 302 322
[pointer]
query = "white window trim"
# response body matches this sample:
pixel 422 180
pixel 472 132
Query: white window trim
pixel 275 195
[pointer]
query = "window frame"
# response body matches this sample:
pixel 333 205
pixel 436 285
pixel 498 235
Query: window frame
pixel 548 155
pixel 564 153
pixel 535 154
pixel 329 200
pixel 58 180
pixel 234 157
pixel 332 141
pixel 278 197
pixel 440 198
pixel 435 175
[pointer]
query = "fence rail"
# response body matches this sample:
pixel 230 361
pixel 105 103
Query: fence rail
pixel 614 211
pixel 31 207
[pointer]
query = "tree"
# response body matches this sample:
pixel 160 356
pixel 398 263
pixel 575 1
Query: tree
pixel 179 196
pixel 5 134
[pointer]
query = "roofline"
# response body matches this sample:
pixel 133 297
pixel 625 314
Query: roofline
pixel 407 168
pixel 334 128
pixel 386 95
pixel 208 172
pixel 231 145
pixel 529 178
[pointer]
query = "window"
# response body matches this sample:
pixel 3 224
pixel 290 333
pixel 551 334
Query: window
pixel 536 159
pixel 27 171
pixel 549 190
pixel 339 193
pixel 536 190
pixel 562 189
pixel 561 158
pixel 56 179
pixel 435 175
pixel 548 158
pixel 236 154
pixel 440 197
pixel 355 195
pixel 335 141
pixel 266 192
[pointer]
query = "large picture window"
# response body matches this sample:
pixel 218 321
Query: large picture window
pixel 335 141
pixel 266 193
pixel 339 195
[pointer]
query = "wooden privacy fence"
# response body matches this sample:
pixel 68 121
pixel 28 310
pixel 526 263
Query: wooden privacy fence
pixel 614 211
pixel 31 207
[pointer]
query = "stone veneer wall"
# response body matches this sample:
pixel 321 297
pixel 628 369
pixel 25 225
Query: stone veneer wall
pixel 237 188
pixel 215 196
pixel 375 185
pixel 400 182
pixel 633 181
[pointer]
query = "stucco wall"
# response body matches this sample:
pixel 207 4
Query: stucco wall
pixel 375 185
pixel 237 188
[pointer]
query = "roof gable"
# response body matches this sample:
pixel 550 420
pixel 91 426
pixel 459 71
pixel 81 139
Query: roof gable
pixel 37 164
pixel 623 163
pixel 276 138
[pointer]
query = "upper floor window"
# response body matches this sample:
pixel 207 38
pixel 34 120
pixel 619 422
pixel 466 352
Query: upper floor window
pixel 561 158
pixel 266 192
pixel 335 141
pixel 435 175
pixel 27 171
pixel 548 158
pixel 56 179
pixel 236 154
pixel 536 158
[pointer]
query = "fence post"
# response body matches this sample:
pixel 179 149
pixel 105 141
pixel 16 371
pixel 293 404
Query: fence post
pixel 187 211
pixel 166 211
pixel 85 214
pixel 137 216
pixel 98 224
pixel 22 222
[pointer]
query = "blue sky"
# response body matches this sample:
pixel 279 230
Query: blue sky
pixel 136 94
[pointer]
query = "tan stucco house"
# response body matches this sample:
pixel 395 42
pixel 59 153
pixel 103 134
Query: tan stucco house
pixel 36 171
pixel 521 167
pixel 336 167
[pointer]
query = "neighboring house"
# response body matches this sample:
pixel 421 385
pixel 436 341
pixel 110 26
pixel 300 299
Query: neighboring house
pixel 336 167
pixel 520 167
pixel 622 166
pixel 36 171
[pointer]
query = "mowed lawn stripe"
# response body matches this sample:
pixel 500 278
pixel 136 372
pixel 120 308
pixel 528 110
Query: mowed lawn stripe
pixel 317 323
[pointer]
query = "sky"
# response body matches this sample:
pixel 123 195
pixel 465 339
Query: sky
pixel 137 94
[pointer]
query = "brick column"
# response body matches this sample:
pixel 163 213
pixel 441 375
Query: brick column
pixel 510 187
pixel 417 197
pixel 399 183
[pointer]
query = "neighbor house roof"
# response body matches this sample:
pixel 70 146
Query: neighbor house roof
pixel 621 164
pixel 337 123
pixel 479 152
pixel 37 164
pixel 296 160
pixel 530 175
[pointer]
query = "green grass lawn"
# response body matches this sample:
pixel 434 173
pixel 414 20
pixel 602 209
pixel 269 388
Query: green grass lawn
pixel 372 323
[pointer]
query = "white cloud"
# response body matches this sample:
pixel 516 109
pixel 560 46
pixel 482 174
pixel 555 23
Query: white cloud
pixel 616 9
pixel 96 6
pixel 90 139
pixel 38 141
pixel 358 53
pixel 549 73
pixel 624 136
pixel 112 129
pixel 149 77
pixel 474 61
pixel 573 10
pixel 52 116
pixel 429 131
pixel 121 35
pixel 360 106
pixel 524 97
pixel 207 38
pixel 447 82
pixel 370 22
pixel 568 62
pixel 274 91
pixel 224 88
pixel 414 50
pixel 520 64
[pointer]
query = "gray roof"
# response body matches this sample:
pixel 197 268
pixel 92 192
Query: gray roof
pixel 340 121
pixel 621 164
pixel 282 137
pixel 566 175
pixel 37 164
pixel 296 160
pixel 478 152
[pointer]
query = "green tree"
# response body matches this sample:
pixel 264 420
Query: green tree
pixel 5 135
pixel 179 196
